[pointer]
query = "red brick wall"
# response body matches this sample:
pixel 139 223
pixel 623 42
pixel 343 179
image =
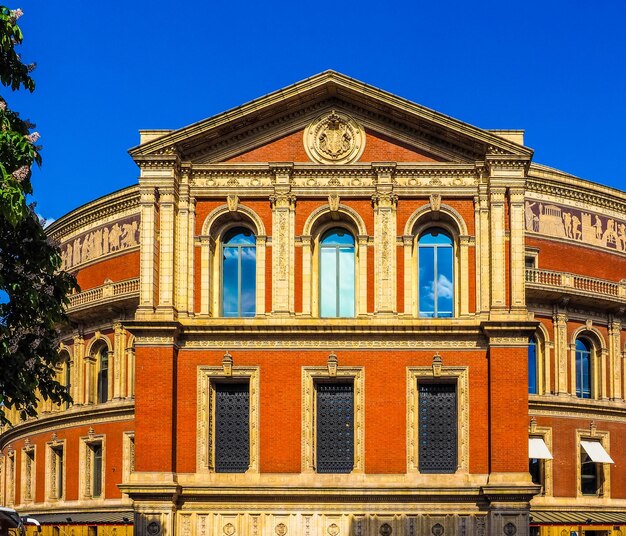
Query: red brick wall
pixel 385 404
pixel 116 269
pixel 290 148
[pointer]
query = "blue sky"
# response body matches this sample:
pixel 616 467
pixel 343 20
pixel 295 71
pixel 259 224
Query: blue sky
pixel 554 68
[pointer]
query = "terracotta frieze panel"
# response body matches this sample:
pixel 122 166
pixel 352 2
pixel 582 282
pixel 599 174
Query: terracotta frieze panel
pixel 103 241
pixel 575 224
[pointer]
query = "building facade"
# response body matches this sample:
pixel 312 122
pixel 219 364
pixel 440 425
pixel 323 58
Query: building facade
pixel 334 311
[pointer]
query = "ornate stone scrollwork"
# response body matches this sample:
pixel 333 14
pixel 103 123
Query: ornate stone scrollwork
pixel 334 138
pixel 385 529
pixel 437 529
pixel 509 529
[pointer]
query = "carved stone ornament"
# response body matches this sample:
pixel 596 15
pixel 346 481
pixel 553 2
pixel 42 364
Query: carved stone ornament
pixel 232 201
pixel 281 529
pixel 153 528
pixel 333 529
pixel 334 138
pixel 333 202
pixel 385 529
pixel 229 529
pixel 509 529
pixel 437 364
pixel 437 529
pixel 332 364
pixel 227 364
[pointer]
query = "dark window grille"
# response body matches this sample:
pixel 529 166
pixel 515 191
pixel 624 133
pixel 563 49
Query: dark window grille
pixel 437 428
pixel 232 427
pixel 335 427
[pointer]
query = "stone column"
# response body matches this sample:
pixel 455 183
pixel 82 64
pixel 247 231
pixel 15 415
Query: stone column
pixel 207 251
pixel 483 249
pixel 183 247
pixel 385 251
pixel 119 358
pixel 283 240
pixel 464 244
pixel 410 276
pixel 559 320
pixel 306 274
pixel 498 250
pixel 167 213
pixel 261 243
pixel 363 241
pixel 78 381
pixel 615 359
pixel 517 247
pixel 191 230
pixel 148 251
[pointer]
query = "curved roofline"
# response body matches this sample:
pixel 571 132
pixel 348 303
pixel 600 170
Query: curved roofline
pixel 60 226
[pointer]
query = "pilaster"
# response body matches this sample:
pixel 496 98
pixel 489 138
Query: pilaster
pixel 168 203
pixel 559 320
pixel 78 381
pixel 385 202
pixel 119 351
pixel 498 250
pixel 283 247
pixel 615 359
pixel 148 250
pixel 183 246
pixel 483 254
pixel 517 247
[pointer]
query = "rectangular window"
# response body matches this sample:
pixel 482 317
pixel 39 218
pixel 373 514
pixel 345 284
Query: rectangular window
pixel 96 457
pixel 437 427
pixel 28 475
pixel 590 476
pixel 232 427
pixel 56 472
pixel 335 427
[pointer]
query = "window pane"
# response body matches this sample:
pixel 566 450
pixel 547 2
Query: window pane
pixel 588 475
pixel 337 237
pixel 426 281
pixel 583 369
pixel 532 366
pixel 230 282
pixel 445 282
pixel 328 282
pixel 97 470
pixel 346 282
pixel 248 281
pixel 435 236
pixel 239 236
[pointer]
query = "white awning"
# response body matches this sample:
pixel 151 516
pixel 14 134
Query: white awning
pixel 596 451
pixel 537 449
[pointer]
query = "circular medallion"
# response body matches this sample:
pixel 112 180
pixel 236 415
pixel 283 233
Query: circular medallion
pixel 510 529
pixel 153 528
pixel 229 529
pixel 281 529
pixel 333 529
pixel 385 529
pixel 334 138
pixel 437 529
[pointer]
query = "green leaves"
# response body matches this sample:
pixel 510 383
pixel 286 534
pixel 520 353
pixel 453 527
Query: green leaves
pixel 30 275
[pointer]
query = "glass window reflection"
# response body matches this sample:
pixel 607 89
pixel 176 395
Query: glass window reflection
pixel 532 366
pixel 436 274
pixel 239 273
pixel 337 278
pixel 583 368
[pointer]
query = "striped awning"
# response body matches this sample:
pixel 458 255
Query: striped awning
pixel 86 518
pixel 561 517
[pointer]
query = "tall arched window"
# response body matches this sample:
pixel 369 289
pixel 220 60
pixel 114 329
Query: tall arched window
pixel 533 368
pixel 435 274
pixel 239 273
pixel 67 376
pixel 337 276
pixel 103 375
pixel 583 368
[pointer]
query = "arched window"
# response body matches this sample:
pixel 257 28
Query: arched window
pixel 67 376
pixel 435 274
pixel 533 369
pixel 103 375
pixel 337 276
pixel 583 368
pixel 239 273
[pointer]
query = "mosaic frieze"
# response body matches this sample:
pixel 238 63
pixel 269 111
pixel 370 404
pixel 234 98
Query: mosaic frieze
pixel 104 240
pixel 574 224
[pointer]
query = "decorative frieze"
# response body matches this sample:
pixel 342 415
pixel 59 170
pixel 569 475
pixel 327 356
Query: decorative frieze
pixel 100 242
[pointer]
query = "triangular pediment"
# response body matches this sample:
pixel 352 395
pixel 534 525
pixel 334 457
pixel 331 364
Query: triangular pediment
pixel 272 128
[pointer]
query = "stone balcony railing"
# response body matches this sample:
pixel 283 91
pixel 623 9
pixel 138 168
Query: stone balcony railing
pixel 574 284
pixel 109 292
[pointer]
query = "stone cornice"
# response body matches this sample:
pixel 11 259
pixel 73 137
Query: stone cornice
pixel 119 202
pixel 375 104
pixel 571 407
pixel 76 416
pixel 548 181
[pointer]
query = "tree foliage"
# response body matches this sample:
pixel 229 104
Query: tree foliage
pixel 33 288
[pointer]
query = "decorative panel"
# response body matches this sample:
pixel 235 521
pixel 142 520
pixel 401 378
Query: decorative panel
pixel 437 428
pixel 335 427
pixel 232 427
